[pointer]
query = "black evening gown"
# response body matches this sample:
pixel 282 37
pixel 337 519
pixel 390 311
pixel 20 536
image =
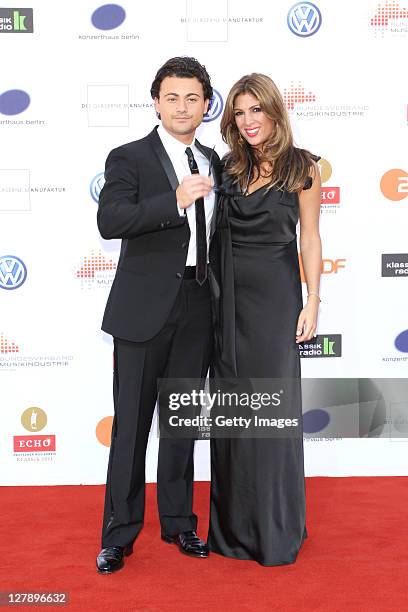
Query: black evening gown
pixel 257 485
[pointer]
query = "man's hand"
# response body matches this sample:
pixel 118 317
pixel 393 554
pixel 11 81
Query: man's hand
pixel 191 188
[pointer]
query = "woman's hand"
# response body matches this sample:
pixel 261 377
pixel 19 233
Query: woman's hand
pixel 307 321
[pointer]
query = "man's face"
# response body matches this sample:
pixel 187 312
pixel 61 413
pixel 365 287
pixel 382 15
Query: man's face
pixel 181 106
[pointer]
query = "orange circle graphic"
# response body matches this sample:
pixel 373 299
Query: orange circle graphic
pixel 394 184
pixel 104 430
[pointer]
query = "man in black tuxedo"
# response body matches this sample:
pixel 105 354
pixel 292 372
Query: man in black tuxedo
pixel 159 199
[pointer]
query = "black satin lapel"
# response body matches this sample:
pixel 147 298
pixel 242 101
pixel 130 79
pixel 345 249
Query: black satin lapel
pixel 214 215
pixel 163 158
pixel 216 172
pixel 204 150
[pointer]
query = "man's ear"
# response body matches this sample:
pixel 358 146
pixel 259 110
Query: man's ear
pixel 206 106
pixel 157 107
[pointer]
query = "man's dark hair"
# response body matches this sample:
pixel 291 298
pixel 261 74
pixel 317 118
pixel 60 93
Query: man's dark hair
pixel 183 67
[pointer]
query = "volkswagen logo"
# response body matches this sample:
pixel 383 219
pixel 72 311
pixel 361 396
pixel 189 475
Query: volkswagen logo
pixel 304 19
pixel 215 108
pixel 13 272
pixel 96 186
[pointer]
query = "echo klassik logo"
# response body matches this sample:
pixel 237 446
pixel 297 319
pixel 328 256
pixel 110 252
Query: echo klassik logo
pixel 13 272
pixel 34 419
pixel 304 19
pixel 394 184
pixel 96 185
pixel 215 107
pixel 14 102
pixel 108 17
pixel 16 21
pixel 330 195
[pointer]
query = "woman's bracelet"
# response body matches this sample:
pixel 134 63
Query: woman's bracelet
pixel 314 293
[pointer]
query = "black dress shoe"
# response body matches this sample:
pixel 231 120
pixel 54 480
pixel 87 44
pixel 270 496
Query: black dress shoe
pixel 189 543
pixel 110 559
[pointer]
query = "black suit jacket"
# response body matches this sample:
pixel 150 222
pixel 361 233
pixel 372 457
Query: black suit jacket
pixel 138 204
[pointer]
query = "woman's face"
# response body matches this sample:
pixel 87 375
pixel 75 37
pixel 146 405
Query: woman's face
pixel 251 121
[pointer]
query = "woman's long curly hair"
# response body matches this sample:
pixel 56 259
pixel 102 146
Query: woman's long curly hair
pixel 291 166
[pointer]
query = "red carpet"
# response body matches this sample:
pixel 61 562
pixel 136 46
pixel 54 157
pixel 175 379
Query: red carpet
pixel 355 559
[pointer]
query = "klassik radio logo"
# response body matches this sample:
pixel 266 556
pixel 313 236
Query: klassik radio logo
pixel 327 345
pixel 304 19
pixel 16 21
pixel 13 272
pixel 394 265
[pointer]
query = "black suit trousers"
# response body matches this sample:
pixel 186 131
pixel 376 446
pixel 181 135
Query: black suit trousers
pixel 182 349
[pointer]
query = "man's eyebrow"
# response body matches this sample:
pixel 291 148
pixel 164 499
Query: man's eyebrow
pixel 187 95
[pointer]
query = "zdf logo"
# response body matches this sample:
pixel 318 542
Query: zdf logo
pixel 13 272
pixel 329 266
pixel 394 184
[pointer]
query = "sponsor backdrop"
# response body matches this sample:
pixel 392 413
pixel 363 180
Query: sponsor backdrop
pixel 74 88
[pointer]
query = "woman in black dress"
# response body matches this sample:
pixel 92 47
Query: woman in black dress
pixel 257 490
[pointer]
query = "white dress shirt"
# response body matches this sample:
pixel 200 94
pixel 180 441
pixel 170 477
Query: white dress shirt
pixel 176 150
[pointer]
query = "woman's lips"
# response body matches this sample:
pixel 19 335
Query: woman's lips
pixel 251 133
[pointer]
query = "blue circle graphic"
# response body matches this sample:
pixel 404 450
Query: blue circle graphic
pixel 215 107
pixel 304 19
pixel 401 342
pixel 13 272
pixel 315 420
pixel 108 17
pixel 96 185
pixel 14 102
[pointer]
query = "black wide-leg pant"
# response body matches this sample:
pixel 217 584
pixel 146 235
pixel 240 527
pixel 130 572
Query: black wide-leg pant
pixel 182 349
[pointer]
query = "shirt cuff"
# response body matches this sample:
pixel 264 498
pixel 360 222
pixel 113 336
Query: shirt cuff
pixel 182 211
